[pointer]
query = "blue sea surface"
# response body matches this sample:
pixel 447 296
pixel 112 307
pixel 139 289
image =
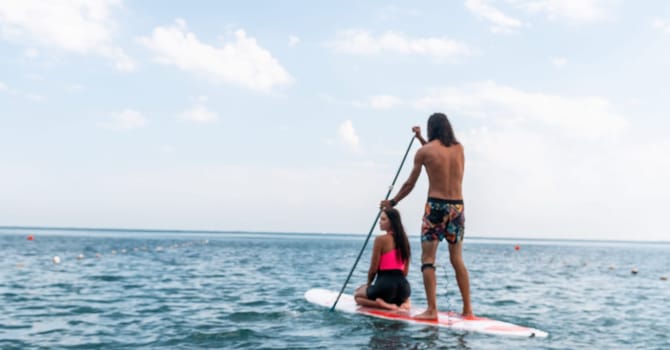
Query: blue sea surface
pixel 181 290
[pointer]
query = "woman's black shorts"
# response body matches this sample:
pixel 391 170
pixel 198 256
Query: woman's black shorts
pixel 391 286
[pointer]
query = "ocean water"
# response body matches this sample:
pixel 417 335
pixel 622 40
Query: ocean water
pixel 139 290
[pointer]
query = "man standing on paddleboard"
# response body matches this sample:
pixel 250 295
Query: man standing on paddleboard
pixel 444 217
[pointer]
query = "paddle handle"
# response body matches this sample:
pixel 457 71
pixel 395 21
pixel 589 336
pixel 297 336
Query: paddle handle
pixel 374 223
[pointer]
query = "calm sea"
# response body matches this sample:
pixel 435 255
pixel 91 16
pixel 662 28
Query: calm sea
pixel 180 290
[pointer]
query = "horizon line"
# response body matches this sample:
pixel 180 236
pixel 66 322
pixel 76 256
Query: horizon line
pixel 150 230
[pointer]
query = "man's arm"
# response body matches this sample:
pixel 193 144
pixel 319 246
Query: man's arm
pixel 409 184
pixel 417 133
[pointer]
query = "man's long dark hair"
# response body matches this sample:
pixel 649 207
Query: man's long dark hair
pixel 440 128
pixel 399 235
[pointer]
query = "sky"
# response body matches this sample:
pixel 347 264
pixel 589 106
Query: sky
pixel 294 116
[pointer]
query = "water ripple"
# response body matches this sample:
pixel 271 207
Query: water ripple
pixel 242 293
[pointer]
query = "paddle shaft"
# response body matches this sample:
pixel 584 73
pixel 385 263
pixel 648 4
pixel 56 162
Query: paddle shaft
pixel 379 213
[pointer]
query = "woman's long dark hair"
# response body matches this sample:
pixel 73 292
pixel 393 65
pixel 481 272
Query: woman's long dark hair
pixel 440 128
pixel 399 235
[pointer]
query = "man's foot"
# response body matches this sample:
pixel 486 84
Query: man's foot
pixel 468 316
pixel 427 315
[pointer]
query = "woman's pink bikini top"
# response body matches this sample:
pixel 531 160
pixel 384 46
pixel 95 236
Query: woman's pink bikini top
pixel 391 261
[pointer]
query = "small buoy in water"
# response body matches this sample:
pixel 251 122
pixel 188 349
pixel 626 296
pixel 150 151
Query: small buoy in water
pixel 611 267
pixel 517 247
pixel 80 256
pixel 634 271
pixel 56 259
pixel 664 278
pixel 30 237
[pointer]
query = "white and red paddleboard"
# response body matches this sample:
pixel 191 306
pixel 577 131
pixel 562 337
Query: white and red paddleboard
pixel 453 320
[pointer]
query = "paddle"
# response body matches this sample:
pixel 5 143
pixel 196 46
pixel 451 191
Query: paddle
pixel 379 213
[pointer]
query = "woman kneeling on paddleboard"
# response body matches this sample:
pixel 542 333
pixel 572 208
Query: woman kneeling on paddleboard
pixel 390 264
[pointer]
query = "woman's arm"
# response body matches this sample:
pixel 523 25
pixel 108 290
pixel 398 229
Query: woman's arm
pixel 374 260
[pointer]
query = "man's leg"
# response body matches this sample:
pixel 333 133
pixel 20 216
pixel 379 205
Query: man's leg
pixel 428 251
pixel 462 276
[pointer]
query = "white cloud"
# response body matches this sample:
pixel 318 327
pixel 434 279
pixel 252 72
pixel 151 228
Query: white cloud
pixel 384 101
pixel 83 27
pixel 122 61
pixel 31 53
pixel 392 12
pixel 526 140
pixel 593 183
pixel 561 10
pixel 293 41
pixel 501 23
pixel 661 25
pixel 128 119
pixel 199 113
pixel 35 97
pixel 348 135
pixel 558 62
pixel 574 10
pixel 16 92
pixel 590 117
pixel 195 197
pixel 242 61
pixel 9 90
pixel 74 87
pixel 326 97
pixel 34 77
pixel 360 42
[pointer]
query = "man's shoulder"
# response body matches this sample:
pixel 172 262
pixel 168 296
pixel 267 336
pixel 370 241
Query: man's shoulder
pixel 438 150
pixel 453 146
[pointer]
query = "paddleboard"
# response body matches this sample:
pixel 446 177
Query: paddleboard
pixel 453 320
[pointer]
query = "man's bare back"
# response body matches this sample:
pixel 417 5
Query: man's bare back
pixel 444 166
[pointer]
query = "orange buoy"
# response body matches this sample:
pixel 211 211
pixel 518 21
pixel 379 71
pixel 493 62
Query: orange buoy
pixel 30 237
pixel 517 247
